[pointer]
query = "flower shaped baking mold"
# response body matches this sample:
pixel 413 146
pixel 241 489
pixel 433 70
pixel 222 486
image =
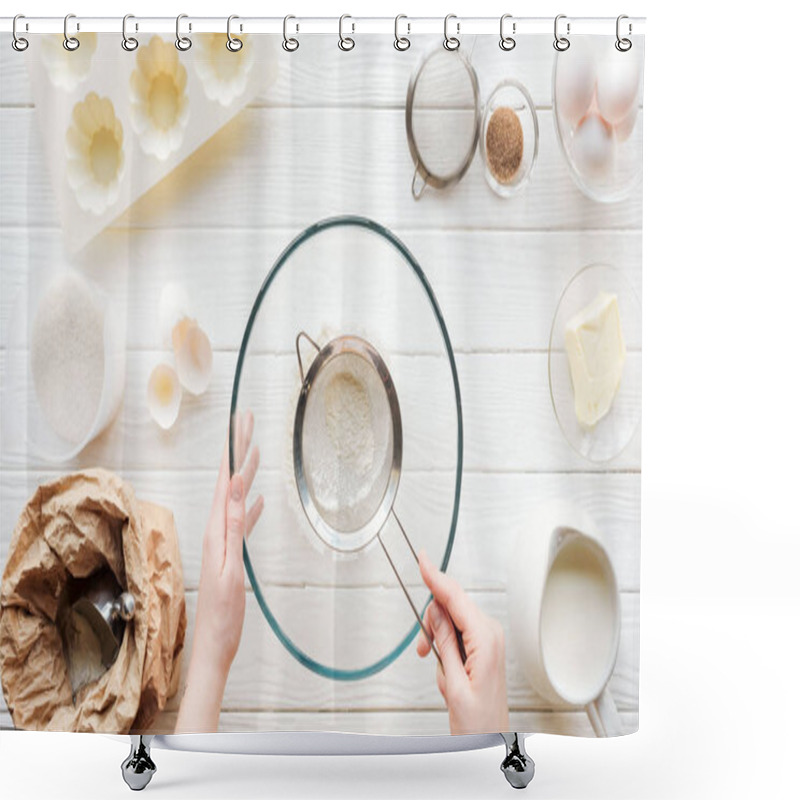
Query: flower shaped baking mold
pixel 159 102
pixel 223 73
pixel 95 153
pixel 68 68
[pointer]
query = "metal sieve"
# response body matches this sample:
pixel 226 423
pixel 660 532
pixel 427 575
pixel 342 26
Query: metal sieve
pixel 443 119
pixel 348 512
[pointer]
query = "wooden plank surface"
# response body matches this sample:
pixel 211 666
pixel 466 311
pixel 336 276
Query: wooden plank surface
pixel 329 138
pixel 495 510
pixel 332 161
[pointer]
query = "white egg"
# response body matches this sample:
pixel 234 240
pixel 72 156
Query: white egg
pixel 164 395
pixel 172 308
pixel 576 76
pixel 193 356
pixel 624 128
pixel 593 147
pixel 618 79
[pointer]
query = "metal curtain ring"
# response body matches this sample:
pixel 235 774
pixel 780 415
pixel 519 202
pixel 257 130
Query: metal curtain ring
pixel 451 42
pixel 19 43
pixel 561 43
pixel 129 43
pixel 346 43
pixel 183 43
pixel 401 43
pixel 623 44
pixel 290 44
pixel 507 42
pixel 233 44
pixel 70 42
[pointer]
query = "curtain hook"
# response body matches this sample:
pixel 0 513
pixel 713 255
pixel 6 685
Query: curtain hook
pixel 451 42
pixel 346 43
pixel 623 44
pixel 183 43
pixel 507 42
pixel 233 44
pixel 70 43
pixel 19 43
pixel 290 44
pixel 129 43
pixel 561 43
pixel 401 43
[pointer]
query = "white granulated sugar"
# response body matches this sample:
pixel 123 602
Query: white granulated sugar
pixel 67 356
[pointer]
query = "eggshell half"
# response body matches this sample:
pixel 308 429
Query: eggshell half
pixel 164 395
pixel 193 356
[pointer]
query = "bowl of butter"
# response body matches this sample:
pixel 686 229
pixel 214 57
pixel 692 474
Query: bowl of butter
pixel 595 362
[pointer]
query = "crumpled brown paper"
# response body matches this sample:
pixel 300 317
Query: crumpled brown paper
pixel 75 526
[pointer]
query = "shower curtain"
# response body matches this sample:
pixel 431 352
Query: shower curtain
pixel 321 382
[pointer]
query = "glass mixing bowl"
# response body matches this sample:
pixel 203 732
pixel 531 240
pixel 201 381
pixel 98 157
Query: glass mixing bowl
pixel 348 295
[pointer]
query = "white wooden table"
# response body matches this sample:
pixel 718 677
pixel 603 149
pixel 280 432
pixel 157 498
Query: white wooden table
pixel 218 222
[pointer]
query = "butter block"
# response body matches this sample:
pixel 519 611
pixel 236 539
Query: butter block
pixel 596 352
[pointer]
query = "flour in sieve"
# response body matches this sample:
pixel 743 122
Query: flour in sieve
pixel 347 446
pixel 67 356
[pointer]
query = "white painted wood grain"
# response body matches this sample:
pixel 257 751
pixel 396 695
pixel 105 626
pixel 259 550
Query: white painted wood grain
pixel 290 167
pixel 373 75
pixel 497 291
pixel 265 677
pixel 495 510
pixel 509 423
pixel 328 138
pixel 390 723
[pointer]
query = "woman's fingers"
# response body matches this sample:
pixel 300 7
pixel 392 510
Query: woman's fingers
pixel 423 645
pixel 253 515
pixel 444 635
pixel 250 469
pixel 449 594
pixel 235 520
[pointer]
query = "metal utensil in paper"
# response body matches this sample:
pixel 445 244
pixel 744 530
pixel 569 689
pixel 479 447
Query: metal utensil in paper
pixel 107 610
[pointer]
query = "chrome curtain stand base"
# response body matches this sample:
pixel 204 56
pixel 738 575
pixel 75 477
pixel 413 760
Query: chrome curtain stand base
pixel 517 766
pixel 138 768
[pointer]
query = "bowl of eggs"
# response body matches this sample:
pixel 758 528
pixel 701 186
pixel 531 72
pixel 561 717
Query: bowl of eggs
pixel 597 97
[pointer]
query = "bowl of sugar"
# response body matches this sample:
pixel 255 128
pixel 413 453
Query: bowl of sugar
pixel 65 371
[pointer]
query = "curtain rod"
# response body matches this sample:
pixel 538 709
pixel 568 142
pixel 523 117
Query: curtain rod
pixel 323 25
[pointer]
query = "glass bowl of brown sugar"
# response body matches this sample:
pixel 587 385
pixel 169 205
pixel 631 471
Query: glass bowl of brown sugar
pixel 509 138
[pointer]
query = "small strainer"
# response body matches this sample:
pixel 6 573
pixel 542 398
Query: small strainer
pixel 348 448
pixel 443 119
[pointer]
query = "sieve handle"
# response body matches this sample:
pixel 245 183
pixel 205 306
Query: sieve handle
pixel 303 335
pixel 462 651
pixel 418 184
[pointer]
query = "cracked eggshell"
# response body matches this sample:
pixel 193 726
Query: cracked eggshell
pixel 95 153
pixel 173 306
pixel 159 100
pixel 193 356
pixel 68 68
pixel 164 395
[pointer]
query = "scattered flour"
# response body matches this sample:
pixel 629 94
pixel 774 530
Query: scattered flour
pixel 67 356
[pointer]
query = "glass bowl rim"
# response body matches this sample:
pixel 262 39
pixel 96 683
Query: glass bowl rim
pixel 309 232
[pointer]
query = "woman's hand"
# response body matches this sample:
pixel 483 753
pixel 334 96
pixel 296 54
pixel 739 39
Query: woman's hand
pixel 221 596
pixel 474 691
